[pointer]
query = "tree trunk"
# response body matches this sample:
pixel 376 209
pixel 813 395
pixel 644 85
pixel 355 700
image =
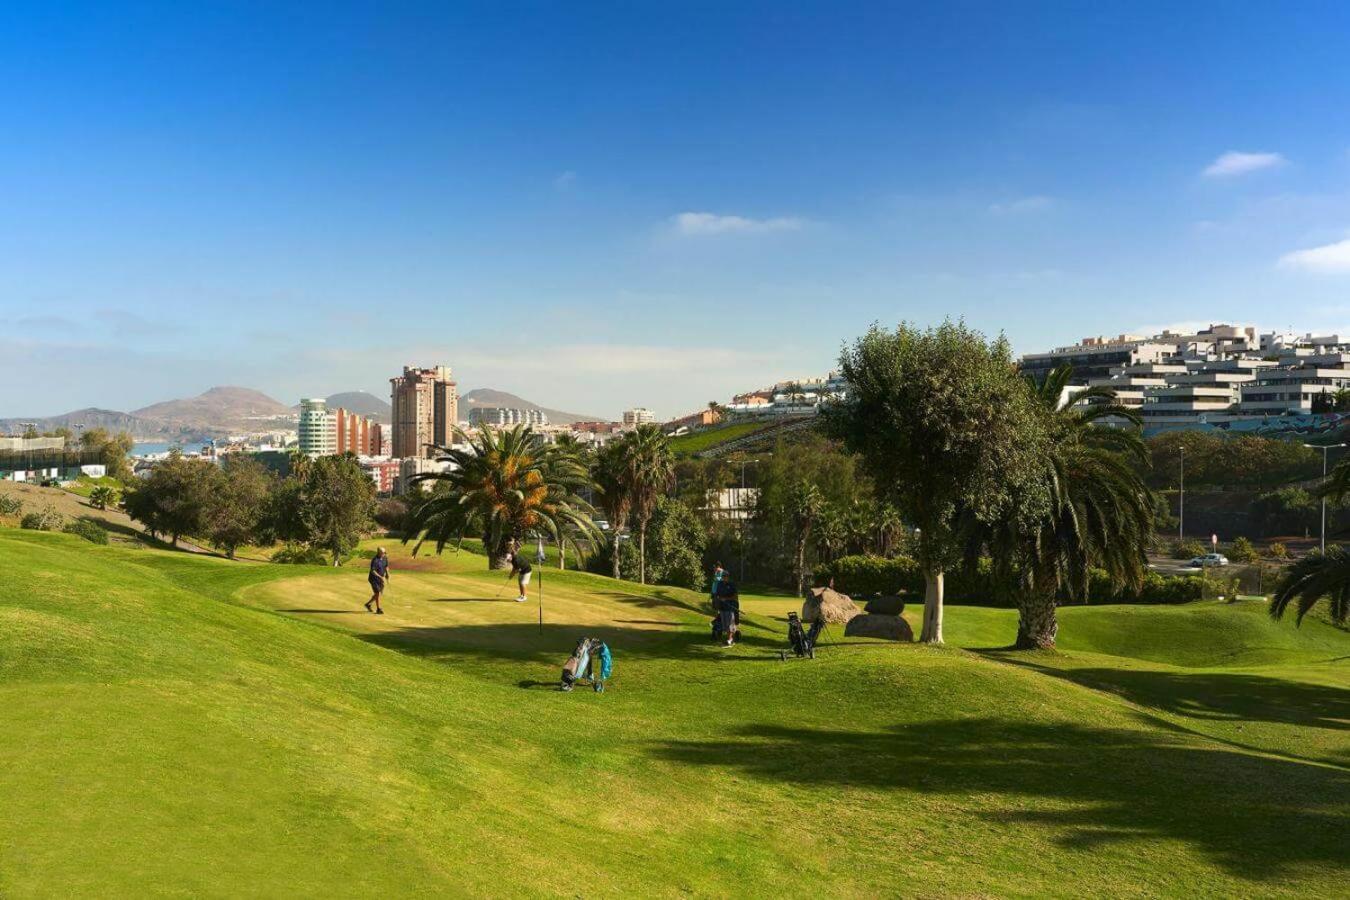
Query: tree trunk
pixel 642 553
pixel 801 568
pixel 500 558
pixel 1037 624
pixel 562 555
pixel 932 608
pixel 615 553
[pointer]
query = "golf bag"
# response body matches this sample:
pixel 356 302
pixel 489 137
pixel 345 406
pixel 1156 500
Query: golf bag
pixel 802 644
pixel 591 660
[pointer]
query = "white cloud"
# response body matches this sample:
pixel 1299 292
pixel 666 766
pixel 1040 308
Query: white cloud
pixel 705 223
pixel 565 181
pixel 1235 162
pixel 1327 258
pixel 1034 203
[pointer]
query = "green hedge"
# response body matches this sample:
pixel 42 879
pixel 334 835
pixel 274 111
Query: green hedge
pixel 861 576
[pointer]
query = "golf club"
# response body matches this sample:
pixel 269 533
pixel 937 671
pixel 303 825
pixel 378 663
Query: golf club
pixel 498 595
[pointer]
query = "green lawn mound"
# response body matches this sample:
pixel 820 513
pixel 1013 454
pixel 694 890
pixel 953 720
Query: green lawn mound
pixel 178 724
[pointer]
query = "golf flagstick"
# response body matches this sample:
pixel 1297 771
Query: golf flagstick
pixel 541 601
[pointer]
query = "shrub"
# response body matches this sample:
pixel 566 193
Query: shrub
pixel 1279 550
pixel 45 519
pixel 859 576
pixel 1242 551
pixel 89 530
pixel 1161 589
pixel 300 555
pixel 10 506
pixel 1188 549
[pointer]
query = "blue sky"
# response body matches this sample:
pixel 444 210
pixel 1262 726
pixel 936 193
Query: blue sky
pixel 605 205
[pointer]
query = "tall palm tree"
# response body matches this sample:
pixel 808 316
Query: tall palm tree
pixel 502 485
pixel 649 469
pixel 1100 513
pixel 805 505
pixel 1313 578
pixel 608 474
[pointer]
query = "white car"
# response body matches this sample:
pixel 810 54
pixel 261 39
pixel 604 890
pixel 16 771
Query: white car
pixel 1209 560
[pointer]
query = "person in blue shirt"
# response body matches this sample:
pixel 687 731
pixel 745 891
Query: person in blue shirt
pixel 718 574
pixel 379 579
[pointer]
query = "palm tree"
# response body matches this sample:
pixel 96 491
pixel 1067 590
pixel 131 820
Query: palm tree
pixel 1099 512
pixel 830 532
pixel 648 470
pixel 805 505
pixel 502 485
pixel 1314 577
pixel 1320 575
pixel 612 493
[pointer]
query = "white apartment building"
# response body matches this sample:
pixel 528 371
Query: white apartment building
pixel 502 416
pixel 638 416
pixel 1283 390
pixel 318 428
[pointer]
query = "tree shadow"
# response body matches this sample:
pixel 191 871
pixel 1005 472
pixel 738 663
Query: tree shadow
pixel 1254 816
pixel 334 612
pixel 1215 696
pixel 526 642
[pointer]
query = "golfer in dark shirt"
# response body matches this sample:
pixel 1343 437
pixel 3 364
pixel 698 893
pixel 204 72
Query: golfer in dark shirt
pixel 379 578
pixel 521 566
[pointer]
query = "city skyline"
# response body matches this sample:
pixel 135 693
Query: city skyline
pixel 643 206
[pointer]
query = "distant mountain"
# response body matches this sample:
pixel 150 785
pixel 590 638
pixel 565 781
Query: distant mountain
pixel 363 403
pixel 93 418
pixel 487 397
pixel 220 408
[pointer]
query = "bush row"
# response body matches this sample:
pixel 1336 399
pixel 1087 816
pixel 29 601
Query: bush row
pixel 864 575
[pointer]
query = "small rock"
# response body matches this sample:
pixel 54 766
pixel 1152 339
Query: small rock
pixel 884 605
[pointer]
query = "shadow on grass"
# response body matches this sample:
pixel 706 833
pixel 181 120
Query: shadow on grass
pixel 525 642
pixel 1254 816
pixel 1213 696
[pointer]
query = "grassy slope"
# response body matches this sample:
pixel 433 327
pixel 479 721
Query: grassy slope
pixel 163 727
pixel 699 441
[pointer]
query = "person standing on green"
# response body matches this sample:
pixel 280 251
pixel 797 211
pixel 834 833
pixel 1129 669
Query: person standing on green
pixel 718 574
pixel 379 579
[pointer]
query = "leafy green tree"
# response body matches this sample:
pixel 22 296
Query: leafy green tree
pixel 113 450
pixel 237 503
pixel 173 499
pixel 1317 576
pixel 648 470
pixel 806 506
pixel 102 496
pixel 502 486
pixel 676 543
pixel 339 504
pixel 1100 513
pixel 949 434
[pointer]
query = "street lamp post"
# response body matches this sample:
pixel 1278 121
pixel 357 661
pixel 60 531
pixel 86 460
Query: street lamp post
pixel 1325 448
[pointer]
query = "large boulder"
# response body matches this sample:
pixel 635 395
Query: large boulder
pixel 885 606
pixel 874 625
pixel 828 604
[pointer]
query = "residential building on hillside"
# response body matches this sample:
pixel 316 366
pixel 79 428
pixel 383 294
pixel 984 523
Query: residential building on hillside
pixel 1220 375
pixel 318 428
pixel 505 416
pixel 638 416
pixel 425 410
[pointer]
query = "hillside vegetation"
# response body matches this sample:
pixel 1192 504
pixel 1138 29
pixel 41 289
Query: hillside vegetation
pixel 172 723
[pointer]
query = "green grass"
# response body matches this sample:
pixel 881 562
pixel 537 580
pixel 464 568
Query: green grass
pixel 85 484
pixel 172 723
pixel 698 441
